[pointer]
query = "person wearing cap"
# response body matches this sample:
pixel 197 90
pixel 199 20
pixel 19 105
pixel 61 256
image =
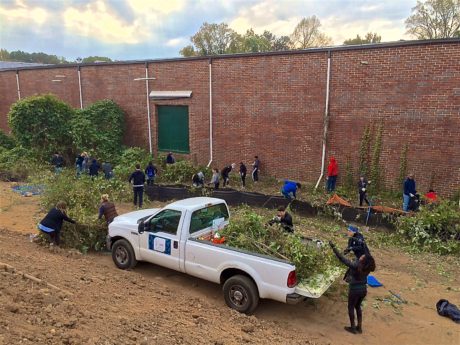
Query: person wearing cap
pixel 409 191
pixel 356 242
pixel 107 209
pixel 289 189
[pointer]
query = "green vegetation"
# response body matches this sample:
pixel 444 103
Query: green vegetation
pixel 42 124
pixel 434 228
pixel 98 129
pixel 6 141
pixel 247 230
pixel 82 196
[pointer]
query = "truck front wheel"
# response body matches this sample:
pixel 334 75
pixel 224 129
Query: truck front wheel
pixel 241 294
pixel 123 255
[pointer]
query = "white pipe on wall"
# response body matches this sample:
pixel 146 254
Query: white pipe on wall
pixel 17 83
pixel 79 88
pixel 326 118
pixel 210 113
pixel 148 106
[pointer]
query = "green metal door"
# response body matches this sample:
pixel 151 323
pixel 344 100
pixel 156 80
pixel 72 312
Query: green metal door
pixel 173 128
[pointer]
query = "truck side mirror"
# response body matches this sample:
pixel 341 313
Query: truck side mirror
pixel 140 227
pixel 143 226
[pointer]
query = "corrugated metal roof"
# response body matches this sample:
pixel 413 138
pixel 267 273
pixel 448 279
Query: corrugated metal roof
pixel 14 64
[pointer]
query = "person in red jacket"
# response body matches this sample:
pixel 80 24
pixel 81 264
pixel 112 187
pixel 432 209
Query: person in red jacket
pixel 332 172
pixel 431 196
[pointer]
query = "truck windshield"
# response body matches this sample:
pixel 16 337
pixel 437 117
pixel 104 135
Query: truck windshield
pixel 205 217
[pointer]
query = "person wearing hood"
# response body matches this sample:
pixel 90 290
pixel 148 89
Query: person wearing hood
pixel 332 172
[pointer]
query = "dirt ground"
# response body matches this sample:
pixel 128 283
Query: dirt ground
pixel 96 303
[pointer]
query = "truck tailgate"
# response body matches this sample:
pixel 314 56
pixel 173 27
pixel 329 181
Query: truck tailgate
pixel 316 286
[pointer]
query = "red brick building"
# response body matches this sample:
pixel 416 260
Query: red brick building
pixel 274 105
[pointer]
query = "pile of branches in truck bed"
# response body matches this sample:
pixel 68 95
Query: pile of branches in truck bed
pixel 247 230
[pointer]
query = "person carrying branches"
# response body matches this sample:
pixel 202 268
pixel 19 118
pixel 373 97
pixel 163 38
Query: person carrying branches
pixel 357 286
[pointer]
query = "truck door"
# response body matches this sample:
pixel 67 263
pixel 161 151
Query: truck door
pixel 160 244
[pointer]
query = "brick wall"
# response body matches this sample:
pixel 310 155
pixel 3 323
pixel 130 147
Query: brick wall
pixel 273 106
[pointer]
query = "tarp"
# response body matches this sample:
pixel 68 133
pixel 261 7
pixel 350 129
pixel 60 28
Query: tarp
pixel 337 200
pixel 27 190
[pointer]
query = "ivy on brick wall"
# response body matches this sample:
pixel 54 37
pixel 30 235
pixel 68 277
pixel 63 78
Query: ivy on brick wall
pixel 98 129
pixel 41 123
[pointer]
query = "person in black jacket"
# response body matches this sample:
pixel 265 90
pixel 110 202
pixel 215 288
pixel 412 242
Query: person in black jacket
pixel 362 190
pixel 357 288
pixel 243 171
pixel 94 168
pixel 356 242
pixel 137 178
pixel 52 223
pixel 58 162
pixel 225 172
pixel 284 219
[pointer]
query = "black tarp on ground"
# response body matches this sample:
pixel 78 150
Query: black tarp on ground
pixel 254 199
pixel 275 202
pixel 231 196
pixel 235 198
pixel 173 192
pixel 303 208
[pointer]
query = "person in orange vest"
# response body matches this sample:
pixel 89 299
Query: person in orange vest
pixel 332 172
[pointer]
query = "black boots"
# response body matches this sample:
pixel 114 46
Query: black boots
pixel 350 329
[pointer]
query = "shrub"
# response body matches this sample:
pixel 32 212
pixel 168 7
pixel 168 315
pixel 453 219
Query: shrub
pixel 82 196
pixel 98 129
pixel 42 123
pixel 17 164
pixel 181 172
pixel 435 228
pixel 127 161
pixel 247 231
pixel 6 141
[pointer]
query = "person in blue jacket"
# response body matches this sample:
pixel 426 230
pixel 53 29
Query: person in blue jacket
pixel 290 188
pixel 409 191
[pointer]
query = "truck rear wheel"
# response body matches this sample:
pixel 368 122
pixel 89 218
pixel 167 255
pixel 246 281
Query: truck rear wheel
pixel 123 255
pixel 241 294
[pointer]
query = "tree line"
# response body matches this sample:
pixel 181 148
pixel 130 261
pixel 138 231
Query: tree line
pixel 21 56
pixel 429 19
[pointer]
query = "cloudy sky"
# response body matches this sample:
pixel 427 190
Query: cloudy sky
pixel 147 29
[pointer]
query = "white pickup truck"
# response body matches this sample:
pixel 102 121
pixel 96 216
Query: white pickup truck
pixel 170 237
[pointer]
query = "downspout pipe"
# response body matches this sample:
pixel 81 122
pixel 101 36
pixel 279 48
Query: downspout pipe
pixel 326 118
pixel 17 84
pixel 148 105
pixel 79 88
pixel 210 113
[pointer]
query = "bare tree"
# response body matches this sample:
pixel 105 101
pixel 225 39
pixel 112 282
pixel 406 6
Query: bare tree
pixel 435 19
pixel 307 34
